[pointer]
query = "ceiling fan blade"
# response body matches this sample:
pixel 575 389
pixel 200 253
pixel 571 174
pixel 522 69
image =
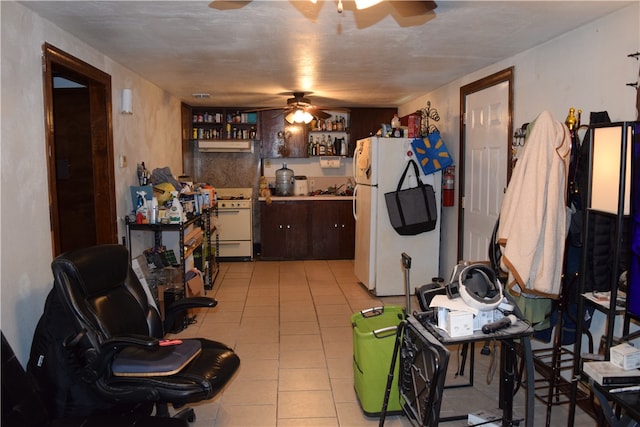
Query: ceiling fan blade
pixel 332 109
pixel 413 8
pixel 317 113
pixel 228 4
pixel 256 110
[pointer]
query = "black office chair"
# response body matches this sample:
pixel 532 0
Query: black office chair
pixel 23 405
pixel 117 345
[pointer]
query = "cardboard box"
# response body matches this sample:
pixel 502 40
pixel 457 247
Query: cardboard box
pixel 625 356
pixel 413 126
pixel 459 323
pixel 482 417
pixel 195 286
pixel 482 318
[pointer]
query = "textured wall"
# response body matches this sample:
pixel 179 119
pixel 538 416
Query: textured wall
pixel 151 134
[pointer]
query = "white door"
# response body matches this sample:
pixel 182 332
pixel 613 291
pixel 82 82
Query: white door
pixel 486 150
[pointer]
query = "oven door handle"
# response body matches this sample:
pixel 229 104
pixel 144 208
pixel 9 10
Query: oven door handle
pixel 229 210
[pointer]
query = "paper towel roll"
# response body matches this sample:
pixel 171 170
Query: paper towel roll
pixel 330 162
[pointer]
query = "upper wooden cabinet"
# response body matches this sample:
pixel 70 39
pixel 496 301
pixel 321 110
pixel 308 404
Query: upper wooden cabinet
pixel 365 122
pixel 187 149
pixel 281 139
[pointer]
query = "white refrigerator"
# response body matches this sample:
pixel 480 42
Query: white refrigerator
pixel 378 164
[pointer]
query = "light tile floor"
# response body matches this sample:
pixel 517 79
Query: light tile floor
pixel 290 324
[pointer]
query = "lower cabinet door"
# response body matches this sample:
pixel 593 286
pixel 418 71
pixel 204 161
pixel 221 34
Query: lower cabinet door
pixel 284 230
pixel 333 230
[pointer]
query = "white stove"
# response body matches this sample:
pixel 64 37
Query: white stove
pixel 235 223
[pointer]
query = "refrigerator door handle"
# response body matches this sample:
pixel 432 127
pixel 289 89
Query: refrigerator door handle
pixel 353 164
pixel 355 196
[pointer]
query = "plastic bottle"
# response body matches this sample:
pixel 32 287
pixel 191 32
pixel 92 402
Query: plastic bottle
pixel 175 212
pixel 153 211
pixel 395 122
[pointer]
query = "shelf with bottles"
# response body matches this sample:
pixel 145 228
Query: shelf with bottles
pixel 224 124
pixel 335 123
pixel 328 144
pixel 225 132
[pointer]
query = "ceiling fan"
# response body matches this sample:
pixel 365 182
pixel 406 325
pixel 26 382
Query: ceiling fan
pixel 299 109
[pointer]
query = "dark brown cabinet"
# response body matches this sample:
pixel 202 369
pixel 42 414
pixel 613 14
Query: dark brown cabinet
pixel 306 229
pixel 333 230
pixel 281 139
pixel 284 230
pixel 187 149
pixel 365 122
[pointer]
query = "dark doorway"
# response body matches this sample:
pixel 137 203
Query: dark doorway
pixel 80 152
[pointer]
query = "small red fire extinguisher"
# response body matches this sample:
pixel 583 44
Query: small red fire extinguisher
pixel 448 185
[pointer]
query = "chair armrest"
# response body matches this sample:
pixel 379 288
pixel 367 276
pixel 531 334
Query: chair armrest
pixel 98 363
pixel 98 368
pixel 122 341
pixel 180 306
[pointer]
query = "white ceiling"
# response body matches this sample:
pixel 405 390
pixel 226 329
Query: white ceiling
pixel 257 52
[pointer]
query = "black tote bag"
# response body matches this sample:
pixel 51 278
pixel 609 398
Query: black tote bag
pixel 413 210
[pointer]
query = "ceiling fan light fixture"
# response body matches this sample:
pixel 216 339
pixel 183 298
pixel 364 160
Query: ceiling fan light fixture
pixel 299 116
pixel 289 117
pixel 364 4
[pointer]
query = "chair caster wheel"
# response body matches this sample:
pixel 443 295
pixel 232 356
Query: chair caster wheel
pixel 187 414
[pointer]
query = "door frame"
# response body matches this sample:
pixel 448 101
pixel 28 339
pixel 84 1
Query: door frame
pixel 505 75
pixel 99 84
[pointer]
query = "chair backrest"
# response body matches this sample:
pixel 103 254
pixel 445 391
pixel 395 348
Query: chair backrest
pixel 423 368
pixel 104 294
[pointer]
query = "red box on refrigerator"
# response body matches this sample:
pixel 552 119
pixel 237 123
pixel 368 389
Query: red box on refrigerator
pixel 413 125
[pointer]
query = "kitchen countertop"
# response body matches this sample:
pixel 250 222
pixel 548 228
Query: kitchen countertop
pixel 298 198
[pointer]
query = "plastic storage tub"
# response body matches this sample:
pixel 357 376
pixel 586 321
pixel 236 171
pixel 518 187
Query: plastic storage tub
pixel 374 337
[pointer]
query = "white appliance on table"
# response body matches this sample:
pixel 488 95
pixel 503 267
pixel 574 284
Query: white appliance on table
pixel 235 223
pixel 378 164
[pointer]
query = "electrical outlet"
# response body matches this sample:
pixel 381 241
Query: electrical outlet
pixel 123 161
pixel 267 163
pixel 312 184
